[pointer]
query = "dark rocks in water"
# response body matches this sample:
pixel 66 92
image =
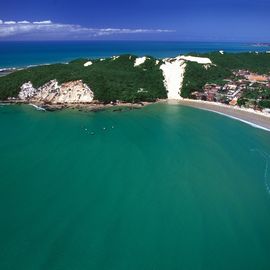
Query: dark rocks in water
pixel 97 109
pixel 50 108
pixel 117 110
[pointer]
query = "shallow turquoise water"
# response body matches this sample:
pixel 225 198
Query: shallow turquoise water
pixel 168 187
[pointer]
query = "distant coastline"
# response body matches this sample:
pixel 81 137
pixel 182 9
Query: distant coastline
pixel 260 44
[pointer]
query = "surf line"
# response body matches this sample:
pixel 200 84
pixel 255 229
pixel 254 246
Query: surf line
pixel 239 119
pixel 266 158
pixel 37 107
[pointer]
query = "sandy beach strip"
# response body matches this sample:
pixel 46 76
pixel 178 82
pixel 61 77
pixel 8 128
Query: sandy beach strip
pixel 248 116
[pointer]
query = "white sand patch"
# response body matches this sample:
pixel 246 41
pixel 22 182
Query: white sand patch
pixel 115 57
pixel 139 61
pixel 221 52
pixel 199 60
pixel 207 66
pixel 141 90
pixel 173 71
pixel 101 59
pixel 87 64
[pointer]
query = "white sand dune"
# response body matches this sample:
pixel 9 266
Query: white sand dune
pixel 199 60
pixel 173 72
pixel 139 61
pixel 87 64
pixel 115 57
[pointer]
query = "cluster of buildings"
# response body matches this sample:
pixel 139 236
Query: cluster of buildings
pixel 233 89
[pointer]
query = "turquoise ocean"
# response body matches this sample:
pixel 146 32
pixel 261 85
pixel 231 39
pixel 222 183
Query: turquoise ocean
pixel 165 187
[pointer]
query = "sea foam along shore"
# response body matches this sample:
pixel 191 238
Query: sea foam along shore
pixel 249 116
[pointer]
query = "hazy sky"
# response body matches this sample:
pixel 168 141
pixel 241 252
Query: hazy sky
pixel 209 20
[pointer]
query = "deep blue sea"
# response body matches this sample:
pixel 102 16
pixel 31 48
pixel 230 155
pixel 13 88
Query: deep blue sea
pixel 21 54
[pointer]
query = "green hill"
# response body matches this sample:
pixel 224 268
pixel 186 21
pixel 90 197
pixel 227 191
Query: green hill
pixel 118 79
pixel 111 79
pixel 196 76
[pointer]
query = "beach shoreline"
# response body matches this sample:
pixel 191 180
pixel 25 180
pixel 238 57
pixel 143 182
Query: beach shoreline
pixel 249 116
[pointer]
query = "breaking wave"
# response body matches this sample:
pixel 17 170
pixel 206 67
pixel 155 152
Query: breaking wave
pixel 266 157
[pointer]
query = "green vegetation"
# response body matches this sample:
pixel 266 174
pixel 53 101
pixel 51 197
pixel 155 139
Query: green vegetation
pixel 259 63
pixel 109 79
pixel 119 80
pixel 196 75
pixel 251 96
pixel 265 103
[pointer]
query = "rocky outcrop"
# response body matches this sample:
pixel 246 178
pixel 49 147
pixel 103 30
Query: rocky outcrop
pixel 53 93
pixel 27 91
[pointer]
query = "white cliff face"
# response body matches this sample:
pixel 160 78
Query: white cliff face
pixel 52 92
pixel 27 91
pixel 48 92
pixel 75 92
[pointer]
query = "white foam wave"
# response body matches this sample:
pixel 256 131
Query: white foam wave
pixel 239 119
pixel 266 157
pixel 37 107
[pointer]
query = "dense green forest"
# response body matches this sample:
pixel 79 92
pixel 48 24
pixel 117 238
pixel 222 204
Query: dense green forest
pixel 111 79
pixel 196 76
pixel 118 79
